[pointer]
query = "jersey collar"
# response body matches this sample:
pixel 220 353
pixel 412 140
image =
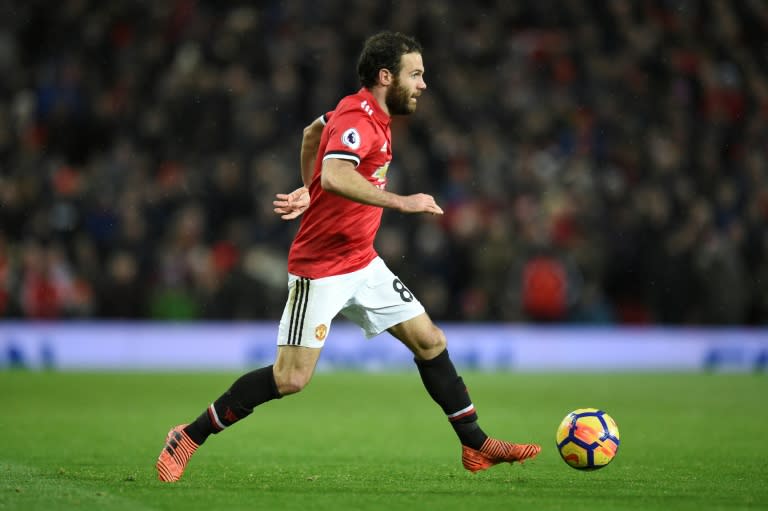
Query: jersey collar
pixel 380 115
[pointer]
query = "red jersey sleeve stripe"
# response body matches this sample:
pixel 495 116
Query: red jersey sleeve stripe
pixel 342 155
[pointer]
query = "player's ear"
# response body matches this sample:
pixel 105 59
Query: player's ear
pixel 385 76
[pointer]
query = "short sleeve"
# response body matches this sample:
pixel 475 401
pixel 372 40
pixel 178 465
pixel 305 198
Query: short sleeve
pixel 351 136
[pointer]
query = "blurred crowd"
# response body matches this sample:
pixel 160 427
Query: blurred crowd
pixel 599 161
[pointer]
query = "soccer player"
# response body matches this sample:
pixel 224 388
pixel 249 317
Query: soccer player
pixel 333 267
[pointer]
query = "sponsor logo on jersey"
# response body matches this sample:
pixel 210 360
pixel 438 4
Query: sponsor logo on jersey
pixel 381 176
pixel 351 138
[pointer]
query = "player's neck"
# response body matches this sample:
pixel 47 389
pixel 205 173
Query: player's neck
pixel 380 95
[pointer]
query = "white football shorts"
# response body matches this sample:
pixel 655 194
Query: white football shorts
pixel 374 298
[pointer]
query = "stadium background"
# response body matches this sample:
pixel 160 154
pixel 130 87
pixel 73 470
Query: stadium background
pixel 603 168
pixel 599 162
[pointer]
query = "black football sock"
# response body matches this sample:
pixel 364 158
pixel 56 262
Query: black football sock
pixel 248 392
pixel 448 390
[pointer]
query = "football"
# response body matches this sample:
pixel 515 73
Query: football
pixel 588 439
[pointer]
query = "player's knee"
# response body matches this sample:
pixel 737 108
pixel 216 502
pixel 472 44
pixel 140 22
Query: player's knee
pixel 291 382
pixel 439 341
pixel 432 344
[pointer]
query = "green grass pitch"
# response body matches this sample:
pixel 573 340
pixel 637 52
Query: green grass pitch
pixel 362 441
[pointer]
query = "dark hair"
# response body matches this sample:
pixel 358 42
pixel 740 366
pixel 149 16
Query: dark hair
pixel 383 51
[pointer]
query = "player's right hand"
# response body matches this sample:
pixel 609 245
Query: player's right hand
pixel 291 205
pixel 419 203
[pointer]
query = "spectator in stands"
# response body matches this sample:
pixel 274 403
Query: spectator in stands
pixel 633 134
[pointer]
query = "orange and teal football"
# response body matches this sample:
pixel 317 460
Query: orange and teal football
pixel 588 439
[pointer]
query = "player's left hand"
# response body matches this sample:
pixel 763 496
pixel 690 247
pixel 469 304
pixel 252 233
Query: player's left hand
pixel 291 205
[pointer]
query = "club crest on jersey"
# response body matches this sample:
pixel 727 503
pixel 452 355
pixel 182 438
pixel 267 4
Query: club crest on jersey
pixel 351 138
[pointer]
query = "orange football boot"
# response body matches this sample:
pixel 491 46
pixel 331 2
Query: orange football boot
pixel 494 452
pixel 175 454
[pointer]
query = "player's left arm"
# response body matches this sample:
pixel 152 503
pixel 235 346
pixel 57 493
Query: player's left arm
pixel 339 176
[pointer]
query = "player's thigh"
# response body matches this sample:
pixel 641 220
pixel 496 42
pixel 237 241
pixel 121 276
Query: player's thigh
pixel 294 367
pixel 421 336
pixel 297 358
pixel 311 306
pixel 381 301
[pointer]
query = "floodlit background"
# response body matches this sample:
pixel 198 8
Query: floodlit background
pixel 600 163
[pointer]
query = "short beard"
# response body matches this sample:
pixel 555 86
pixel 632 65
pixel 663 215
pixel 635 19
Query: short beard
pixel 398 100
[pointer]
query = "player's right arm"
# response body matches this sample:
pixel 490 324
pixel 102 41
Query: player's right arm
pixel 310 143
pixel 291 205
pixel 340 177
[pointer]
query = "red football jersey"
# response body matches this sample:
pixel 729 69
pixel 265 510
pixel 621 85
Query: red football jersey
pixel 336 234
